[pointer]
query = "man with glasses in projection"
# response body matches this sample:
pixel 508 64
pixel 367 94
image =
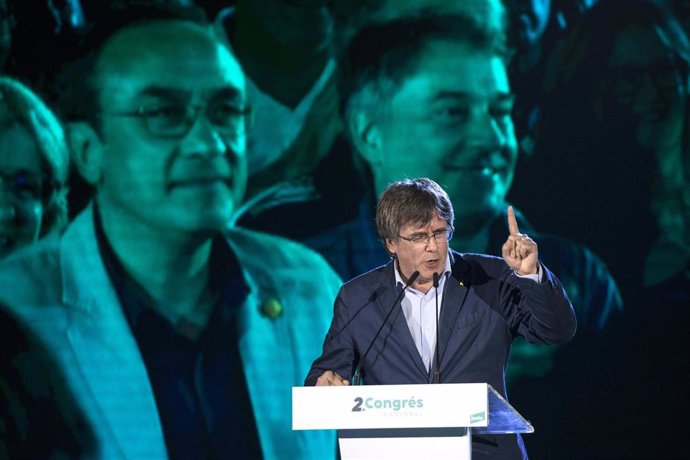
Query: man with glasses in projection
pixel 180 337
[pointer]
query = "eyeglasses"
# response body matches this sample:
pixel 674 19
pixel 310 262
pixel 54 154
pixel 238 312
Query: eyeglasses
pixel 26 186
pixel 440 236
pixel 175 120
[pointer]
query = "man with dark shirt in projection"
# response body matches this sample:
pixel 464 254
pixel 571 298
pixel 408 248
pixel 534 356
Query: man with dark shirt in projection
pixel 179 336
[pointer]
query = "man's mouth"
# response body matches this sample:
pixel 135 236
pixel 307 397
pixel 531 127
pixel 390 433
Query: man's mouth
pixel 205 181
pixel 430 263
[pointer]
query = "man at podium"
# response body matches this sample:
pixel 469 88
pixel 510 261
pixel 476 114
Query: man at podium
pixel 433 315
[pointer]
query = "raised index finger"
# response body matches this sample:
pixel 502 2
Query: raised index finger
pixel 512 223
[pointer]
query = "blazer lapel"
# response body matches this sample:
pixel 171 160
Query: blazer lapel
pixel 105 350
pixel 400 330
pixel 454 296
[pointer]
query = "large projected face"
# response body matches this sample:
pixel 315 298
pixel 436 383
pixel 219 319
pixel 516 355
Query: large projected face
pixel 173 128
pixel 451 121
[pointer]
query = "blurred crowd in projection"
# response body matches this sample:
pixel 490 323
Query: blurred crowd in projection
pixel 573 111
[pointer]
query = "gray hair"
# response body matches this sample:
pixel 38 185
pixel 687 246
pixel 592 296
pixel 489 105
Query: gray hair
pixel 411 201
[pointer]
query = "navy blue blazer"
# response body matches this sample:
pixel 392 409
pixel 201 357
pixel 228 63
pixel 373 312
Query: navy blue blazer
pixel 485 306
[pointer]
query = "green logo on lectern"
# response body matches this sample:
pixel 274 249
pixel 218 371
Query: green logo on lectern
pixel 478 417
pixel 386 404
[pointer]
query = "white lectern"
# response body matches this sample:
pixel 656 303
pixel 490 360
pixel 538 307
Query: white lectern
pixel 405 421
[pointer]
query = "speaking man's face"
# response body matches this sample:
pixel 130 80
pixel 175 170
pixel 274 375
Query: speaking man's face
pixel 427 255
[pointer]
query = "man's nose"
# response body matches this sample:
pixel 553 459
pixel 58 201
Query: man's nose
pixel 492 134
pixel 204 139
pixel 431 244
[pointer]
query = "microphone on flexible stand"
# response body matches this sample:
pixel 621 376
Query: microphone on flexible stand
pixel 357 377
pixel 437 374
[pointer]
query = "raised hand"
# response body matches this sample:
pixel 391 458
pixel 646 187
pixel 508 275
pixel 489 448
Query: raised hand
pixel 519 251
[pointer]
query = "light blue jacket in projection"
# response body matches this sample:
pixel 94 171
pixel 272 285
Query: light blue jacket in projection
pixel 60 288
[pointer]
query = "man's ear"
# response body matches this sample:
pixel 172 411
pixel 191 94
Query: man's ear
pixel 366 137
pixel 86 150
pixel 390 246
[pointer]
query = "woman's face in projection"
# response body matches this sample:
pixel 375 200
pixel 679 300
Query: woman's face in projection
pixel 21 208
pixel 651 87
pixel 647 81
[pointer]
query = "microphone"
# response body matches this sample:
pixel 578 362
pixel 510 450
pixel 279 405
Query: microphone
pixel 437 374
pixel 357 377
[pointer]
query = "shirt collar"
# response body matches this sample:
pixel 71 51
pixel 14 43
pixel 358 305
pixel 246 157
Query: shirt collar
pixel 398 277
pixel 226 278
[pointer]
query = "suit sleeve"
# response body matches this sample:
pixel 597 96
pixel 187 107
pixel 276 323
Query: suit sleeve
pixel 539 311
pixel 338 353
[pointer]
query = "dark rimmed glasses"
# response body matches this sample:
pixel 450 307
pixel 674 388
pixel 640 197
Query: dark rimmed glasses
pixel 439 236
pixel 175 120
